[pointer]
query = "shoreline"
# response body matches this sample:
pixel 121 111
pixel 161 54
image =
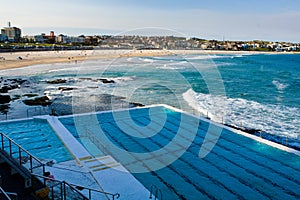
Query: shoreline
pixel 12 60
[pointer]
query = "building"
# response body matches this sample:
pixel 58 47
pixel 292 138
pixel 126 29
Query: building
pixel 3 38
pixel 35 38
pixel 49 38
pixel 13 34
pixel 64 39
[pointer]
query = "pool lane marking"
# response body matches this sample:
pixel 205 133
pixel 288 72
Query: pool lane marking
pixel 97 159
pixel 107 167
pixel 103 164
pixel 85 158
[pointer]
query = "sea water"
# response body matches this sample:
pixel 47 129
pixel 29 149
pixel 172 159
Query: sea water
pixel 256 91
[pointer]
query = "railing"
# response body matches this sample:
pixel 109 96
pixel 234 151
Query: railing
pixel 30 112
pixel 103 148
pixel 5 195
pixel 22 155
pixel 154 190
pixel 5 116
pixel 37 111
pixel 62 190
pixel 285 140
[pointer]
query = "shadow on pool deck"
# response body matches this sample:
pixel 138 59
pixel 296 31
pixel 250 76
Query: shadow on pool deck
pixel 15 184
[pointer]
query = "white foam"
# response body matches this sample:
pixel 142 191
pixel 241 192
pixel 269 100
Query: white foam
pixel 64 69
pixel 171 67
pixel 147 60
pixel 202 57
pixel 280 86
pixel 274 119
pixel 124 78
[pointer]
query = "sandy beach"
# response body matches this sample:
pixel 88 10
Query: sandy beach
pixel 10 60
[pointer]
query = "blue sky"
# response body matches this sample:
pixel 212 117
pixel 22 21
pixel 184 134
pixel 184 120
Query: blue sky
pixel 211 19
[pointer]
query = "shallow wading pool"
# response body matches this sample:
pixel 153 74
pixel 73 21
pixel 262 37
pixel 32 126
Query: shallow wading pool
pixel 37 137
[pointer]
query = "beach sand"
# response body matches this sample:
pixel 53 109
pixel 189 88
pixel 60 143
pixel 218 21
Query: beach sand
pixel 10 60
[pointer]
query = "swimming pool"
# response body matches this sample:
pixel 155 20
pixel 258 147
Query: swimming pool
pixel 237 167
pixel 37 137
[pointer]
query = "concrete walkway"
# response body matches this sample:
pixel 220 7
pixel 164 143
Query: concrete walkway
pixel 111 175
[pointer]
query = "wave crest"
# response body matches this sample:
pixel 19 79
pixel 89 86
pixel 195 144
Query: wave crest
pixel 279 86
pixel 274 119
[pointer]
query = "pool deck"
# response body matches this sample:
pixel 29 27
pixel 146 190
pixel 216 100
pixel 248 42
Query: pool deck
pixel 111 176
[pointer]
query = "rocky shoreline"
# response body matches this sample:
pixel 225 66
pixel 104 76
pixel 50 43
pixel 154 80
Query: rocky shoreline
pixel 7 85
pixel 66 105
pixel 58 105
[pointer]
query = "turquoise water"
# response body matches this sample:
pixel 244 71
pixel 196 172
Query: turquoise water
pixel 252 91
pixel 236 168
pixel 38 138
pixel 260 91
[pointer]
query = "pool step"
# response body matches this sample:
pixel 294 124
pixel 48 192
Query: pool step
pixel 100 163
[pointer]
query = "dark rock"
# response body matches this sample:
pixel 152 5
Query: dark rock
pixel 57 81
pixel 4 89
pixel 103 80
pixel 251 130
pixel 247 130
pixel 4 99
pixel 135 104
pixel 10 84
pixel 30 95
pixel 43 101
pixel 66 88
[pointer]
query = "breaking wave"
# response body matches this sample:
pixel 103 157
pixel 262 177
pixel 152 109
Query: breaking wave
pixel 273 119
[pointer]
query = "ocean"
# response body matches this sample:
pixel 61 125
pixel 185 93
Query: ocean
pixel 253 91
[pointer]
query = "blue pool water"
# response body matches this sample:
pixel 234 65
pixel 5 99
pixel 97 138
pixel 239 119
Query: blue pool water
pixel 38 138
pixel 236 168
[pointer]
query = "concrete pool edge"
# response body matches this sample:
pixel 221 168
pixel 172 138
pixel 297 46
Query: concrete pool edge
pixel 16 120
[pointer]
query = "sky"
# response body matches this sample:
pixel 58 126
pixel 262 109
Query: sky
pixel 273 20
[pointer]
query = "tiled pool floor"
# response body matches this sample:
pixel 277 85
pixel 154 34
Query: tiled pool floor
pixel 237 167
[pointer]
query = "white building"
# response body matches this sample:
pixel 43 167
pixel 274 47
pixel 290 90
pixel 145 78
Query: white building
pixel 64 39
